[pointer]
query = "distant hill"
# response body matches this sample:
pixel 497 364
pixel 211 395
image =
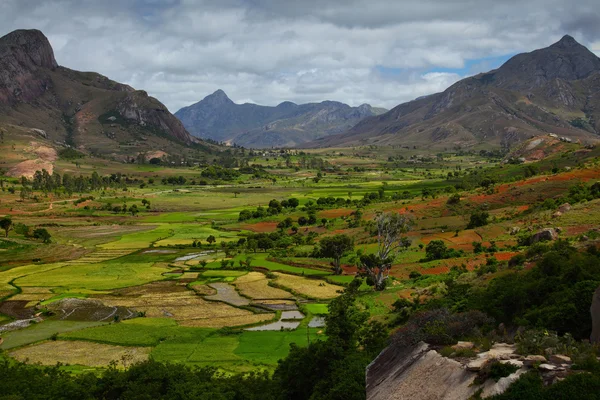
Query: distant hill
pixel 84 110
pixel 552 90
pixel 286 125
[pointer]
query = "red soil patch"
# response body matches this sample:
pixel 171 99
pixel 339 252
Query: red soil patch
pixel 578 230
pixel 260 227
pixel 442 269
pixel 505 256
pixel 349 269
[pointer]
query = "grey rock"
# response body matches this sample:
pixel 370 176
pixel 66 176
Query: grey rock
pixel 544 235
pixel 534 359
pixel 560 359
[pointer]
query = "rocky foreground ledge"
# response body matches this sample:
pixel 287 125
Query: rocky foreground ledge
pixel 422 373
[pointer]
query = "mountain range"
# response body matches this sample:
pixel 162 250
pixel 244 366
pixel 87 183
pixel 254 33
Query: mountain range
pixel 286 125
pixel 83 110
pixel 551 90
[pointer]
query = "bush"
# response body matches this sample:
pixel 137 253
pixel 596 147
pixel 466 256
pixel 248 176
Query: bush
pixel 478 218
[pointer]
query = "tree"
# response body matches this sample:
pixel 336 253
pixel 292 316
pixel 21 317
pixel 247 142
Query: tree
pixel 211 239
pixel 335 247
pixel 478 218
pixel 436 250
pixel 6 224
pixel 134 210
pixel 252 245
pixel 43 234
pixel 391 240
pixel 293 202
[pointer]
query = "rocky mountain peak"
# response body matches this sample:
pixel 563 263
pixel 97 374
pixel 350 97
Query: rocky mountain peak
pixel 31 43
pixel 218 98
pixel 566 42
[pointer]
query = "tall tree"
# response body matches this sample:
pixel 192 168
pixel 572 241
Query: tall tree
pixel 6 224
pixel 335 247
pixel 391 240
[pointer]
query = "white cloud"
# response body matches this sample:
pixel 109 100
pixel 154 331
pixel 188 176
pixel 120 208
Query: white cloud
pixel 268 51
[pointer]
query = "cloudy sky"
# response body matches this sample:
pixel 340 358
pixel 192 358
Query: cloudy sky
pixel 382 52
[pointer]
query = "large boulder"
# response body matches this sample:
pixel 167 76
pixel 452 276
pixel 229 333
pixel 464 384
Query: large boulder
pixel 564 208
pixel 595 310
pixel 544 235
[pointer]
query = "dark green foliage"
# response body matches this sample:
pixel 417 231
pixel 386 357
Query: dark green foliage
pixel 70 154
pixel 478 218
pixel 530 387
pixel 556 294
pixel 218 172
pixel 6 224
pixel 437 250
pixel 495 370
pixel 335 247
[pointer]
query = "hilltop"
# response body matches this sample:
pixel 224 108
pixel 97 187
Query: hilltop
pixel 551 90
pixel 217 117
pixel 63 108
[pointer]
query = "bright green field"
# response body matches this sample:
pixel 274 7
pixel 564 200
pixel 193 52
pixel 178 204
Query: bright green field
pixel 139 332
pixel 106 275
pixel 42 331
pixel 317 309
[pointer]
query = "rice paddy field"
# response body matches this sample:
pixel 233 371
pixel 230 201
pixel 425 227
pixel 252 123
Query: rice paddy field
pixel 178 281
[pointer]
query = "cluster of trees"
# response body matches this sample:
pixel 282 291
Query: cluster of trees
pixel 7 224
pixel 174 180
pixel 275 207
pixel 556 294
pixel 220 173
pixel 577 194
pixel 275 240
pixel 437 250
pixel 43 181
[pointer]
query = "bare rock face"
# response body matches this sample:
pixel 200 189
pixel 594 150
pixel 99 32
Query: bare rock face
pixel 544 235
pixel 24 55
pixel 147 111
pixel 595 310
pixel 29 74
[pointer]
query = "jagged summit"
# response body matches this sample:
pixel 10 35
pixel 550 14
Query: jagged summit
pixel 28 46
pixel 549 90
pixel 218 97
pixel 566 42
pixel 79 109
pixel 252 125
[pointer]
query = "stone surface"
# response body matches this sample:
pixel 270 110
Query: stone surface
pixel 547 367
pixel 544 235
pixel 534 359
pixel 477 364
pixel 564 208
pixel 463 346
pixel 516 363
pixel 417 373
pixel 560 359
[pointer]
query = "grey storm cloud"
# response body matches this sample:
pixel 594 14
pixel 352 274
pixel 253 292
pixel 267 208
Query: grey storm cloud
pixel 382 52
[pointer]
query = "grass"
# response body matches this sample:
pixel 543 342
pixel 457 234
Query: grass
pixel 42 331
pixel 317 308
pixel 139 332
pixel 101 276
pixel 267 347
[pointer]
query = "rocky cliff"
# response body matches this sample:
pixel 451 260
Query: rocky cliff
pixel 80 109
